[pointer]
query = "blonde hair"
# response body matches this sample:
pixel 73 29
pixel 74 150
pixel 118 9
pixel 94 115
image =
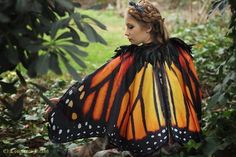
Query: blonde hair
pixel 150 14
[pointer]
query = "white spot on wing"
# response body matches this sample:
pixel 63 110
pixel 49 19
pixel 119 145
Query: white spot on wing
pixel 60 131
pixel 70 92
pixel 52 120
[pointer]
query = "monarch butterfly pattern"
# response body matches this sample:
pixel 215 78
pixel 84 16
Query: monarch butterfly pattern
pixel 141 99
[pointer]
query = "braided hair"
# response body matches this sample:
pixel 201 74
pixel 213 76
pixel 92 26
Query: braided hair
pixel 145 12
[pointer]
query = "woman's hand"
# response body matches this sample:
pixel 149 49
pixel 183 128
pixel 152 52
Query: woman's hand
pixel 48 109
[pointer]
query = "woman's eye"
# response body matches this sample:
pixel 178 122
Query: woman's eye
pixel 130 27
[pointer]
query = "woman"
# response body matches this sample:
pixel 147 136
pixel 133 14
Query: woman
pixel 145 98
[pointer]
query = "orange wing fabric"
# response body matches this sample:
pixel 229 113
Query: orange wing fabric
pixel 138 100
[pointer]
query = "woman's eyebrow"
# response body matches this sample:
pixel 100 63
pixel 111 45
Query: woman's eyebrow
pixel 128 23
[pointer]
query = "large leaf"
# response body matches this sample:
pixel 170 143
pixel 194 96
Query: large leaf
pixel 70 69
pixel 76 38
pixel 75 49
pixel 65 3
pixel 59 24
pixel 77 60
pixel 64 35
pixel 54 63
pixel 92 35
pixel 42 64
pixel 99 24
pixel 78 20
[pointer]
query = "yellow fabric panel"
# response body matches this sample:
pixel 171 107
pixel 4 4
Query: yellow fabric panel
pixel 134 87
pixel 179 76
pixel 148 98
pixel 160 112
pixel 178 98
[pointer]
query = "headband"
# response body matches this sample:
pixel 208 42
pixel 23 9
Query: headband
pixel 139 8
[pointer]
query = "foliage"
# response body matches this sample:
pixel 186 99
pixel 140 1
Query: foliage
pixel 31 127
pixel 36 36
pixel 216 61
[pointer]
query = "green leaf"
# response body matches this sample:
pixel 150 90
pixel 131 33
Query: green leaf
pixel 70 69
pixel 64 35
pixel 59 24
pixel 76 38
pixel 65 3
pixel 42 64
pixel 99 24
pixel 78 20
pixel 92 35
pixel 54 63
pixel 77 60
pixel 74 49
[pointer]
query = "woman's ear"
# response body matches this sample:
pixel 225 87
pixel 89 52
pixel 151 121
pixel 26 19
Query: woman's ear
pixel 148 28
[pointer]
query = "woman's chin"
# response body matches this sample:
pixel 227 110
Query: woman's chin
pixel 133 43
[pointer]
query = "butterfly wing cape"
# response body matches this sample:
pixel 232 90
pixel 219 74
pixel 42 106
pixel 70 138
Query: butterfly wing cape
pixel 140 99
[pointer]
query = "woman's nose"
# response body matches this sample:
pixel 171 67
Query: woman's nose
pixel 126 33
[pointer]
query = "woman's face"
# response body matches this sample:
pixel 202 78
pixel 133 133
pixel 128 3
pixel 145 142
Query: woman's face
pixel 136 32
